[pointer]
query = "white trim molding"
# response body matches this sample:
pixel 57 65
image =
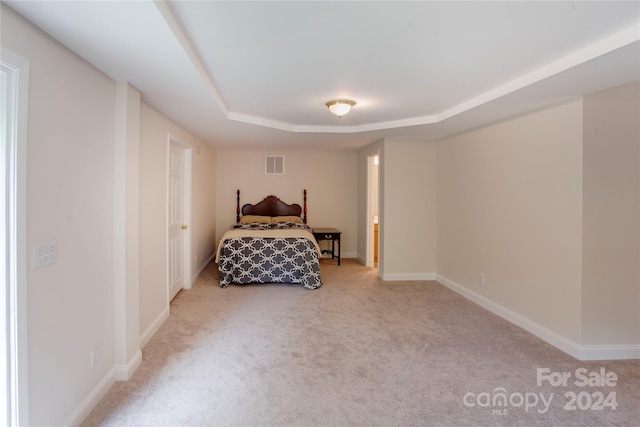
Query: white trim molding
pixel 153 328
pixel 343 255
pixel 17 69
pixel 609 352
pixel 124 372
pixel 201 269
pixel 405 277
pixel 612 352
pixel 91 401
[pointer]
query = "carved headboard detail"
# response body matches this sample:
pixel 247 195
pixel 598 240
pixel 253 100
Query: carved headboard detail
pixel 272 206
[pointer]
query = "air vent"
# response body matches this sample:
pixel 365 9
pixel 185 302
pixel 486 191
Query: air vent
pixel 274 165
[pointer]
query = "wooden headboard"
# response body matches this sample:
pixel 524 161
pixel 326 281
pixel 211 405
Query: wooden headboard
pixel 272 206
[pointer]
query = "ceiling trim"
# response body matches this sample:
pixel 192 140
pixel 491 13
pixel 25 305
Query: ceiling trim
pixel 581 56
pixel 169 17
pixel 574 59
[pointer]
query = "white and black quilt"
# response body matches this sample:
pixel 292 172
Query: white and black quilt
pixel 264 257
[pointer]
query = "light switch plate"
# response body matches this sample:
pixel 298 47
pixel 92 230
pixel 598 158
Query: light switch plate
pixel 45 254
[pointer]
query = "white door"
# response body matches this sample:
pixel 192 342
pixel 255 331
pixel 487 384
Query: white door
pixel 177 221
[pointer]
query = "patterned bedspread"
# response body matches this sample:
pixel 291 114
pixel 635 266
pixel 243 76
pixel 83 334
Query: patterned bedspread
pixel 283 252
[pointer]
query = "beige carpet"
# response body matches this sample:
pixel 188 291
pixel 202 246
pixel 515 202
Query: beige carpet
pixel 355 352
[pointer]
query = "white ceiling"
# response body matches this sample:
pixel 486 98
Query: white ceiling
pixel 260 73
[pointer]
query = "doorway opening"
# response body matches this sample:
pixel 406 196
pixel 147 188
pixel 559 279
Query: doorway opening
pixel 373 208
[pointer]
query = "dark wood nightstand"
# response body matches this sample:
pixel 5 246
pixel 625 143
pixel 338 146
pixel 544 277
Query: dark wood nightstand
pixel 332 234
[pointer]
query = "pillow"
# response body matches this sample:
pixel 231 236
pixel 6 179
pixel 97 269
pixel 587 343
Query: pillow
pixel 286 218
pixel 246 219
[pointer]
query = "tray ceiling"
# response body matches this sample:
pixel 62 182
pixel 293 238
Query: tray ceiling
pixel 260 73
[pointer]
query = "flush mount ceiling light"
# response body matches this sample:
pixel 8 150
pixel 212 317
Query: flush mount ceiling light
pixel 340 107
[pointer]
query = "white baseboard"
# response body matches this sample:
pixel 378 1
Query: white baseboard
pixel 90 402
pixel 153 328
pixel 164 315
pixel 124 372
pixel 408 276
pixel 612 352
pixel 343 255
pixel 117 373
pixel 202 267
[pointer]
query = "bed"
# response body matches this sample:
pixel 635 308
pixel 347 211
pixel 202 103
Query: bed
pixel 270 243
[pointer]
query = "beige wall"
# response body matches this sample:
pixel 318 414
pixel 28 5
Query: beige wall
pixel 509 206
pixel 409 219
pixel 203 207
pixel 154 131
pixel 69 199
pixel 547 207
pixel 611 279
pixel 328 175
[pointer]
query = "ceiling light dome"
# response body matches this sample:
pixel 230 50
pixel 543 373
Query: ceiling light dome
pixel 340 107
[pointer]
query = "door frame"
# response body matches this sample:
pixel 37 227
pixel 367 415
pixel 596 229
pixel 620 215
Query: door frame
pixel 370 189
pixel 15 313
pixel 186 284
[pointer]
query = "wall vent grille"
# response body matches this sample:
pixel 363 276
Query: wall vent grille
pixel 274 165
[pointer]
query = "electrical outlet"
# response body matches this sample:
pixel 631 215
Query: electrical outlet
pixel 196 259
pixel 45 254
pixel 482 278
pixel 95 356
